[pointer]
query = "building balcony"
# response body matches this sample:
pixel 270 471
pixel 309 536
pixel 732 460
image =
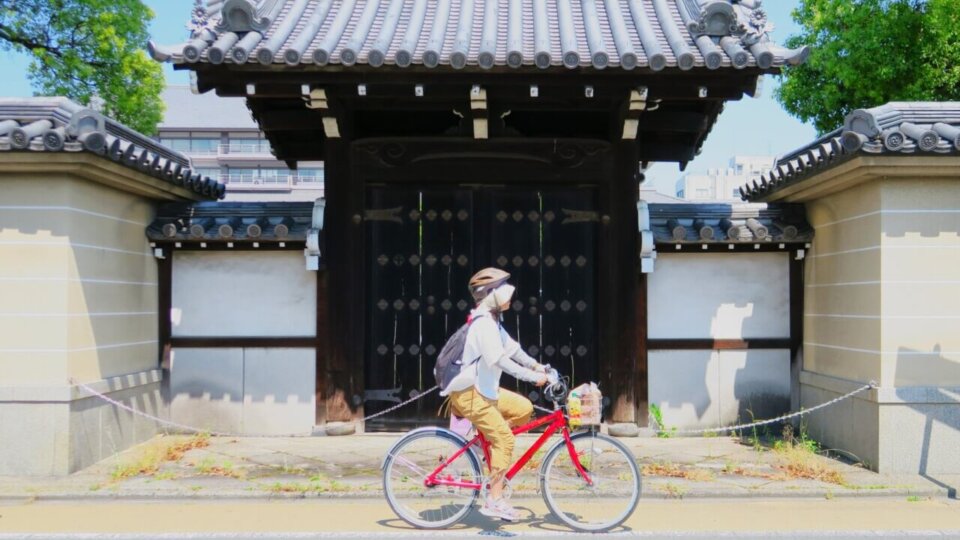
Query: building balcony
pixel 243 182
pixel 245 149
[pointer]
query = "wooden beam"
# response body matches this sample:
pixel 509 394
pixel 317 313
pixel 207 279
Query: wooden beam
pixel 717 344
pixel 212 342
pixel 665 119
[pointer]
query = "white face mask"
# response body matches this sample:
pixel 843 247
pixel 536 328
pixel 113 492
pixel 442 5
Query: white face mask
pixel 500 296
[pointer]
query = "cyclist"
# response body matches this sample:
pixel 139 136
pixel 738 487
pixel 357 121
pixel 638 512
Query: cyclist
pixel 475 393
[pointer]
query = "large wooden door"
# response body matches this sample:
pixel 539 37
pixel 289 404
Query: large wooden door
pixel 423 246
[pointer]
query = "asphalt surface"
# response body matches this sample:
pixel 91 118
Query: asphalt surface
pixel 322 519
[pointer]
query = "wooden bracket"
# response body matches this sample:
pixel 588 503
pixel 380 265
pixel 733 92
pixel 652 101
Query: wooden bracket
pixel 638 104
pixel 478 104
pixel 316 99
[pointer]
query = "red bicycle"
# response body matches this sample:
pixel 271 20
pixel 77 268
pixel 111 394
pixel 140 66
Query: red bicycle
pixel 432 476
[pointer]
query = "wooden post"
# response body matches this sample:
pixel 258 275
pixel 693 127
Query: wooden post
pixel 642 382
pixel 796 328
pixel 618 269
pixel 323 349
pixel 344 241
pixel 164 302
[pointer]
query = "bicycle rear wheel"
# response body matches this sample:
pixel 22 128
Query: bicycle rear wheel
pixel 611 496
pixel 411 461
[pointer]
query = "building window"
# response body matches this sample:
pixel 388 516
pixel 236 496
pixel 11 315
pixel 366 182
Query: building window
pixel 248 146
pixel 312 174
pixel 205 145
pixel 201 145
pixel 736 193
pixel 213 172
pixel 180 145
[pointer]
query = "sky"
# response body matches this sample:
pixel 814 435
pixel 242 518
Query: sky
pixel 737 132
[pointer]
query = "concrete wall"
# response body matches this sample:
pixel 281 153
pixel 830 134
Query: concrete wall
pixel 719 296
pixel 883 304
pixel 252 391
pixel 78 300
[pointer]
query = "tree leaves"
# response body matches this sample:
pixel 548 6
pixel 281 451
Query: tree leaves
pixel 87 48
pixel 869 52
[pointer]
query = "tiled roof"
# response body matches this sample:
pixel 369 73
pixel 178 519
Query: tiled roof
pixel 628 34
pixel 237 222
pixel 716 223
pixel 60 125
pixel 929 128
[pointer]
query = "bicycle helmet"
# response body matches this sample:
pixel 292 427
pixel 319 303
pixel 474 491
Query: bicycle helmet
pixel 485 281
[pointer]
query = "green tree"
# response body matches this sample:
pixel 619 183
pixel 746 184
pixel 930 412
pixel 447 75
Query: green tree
pixel 869 52
pixel 86 48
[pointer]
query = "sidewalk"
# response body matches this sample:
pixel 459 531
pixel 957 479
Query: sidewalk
pixel 184 467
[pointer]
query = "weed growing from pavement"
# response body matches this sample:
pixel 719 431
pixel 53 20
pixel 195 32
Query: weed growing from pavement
pixel 800 458
pixel 154 454
pixel 671 470
pixel 657 415
pixel 209 467
pixel 674 491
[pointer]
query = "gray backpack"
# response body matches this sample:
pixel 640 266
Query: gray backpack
pixel 450 360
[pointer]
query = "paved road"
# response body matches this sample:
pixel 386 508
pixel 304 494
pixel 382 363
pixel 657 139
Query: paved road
pixel 302 520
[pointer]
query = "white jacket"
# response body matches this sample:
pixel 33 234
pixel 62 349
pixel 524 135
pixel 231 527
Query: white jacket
pixel 487 352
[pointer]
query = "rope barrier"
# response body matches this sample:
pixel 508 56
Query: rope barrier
pixel 661 429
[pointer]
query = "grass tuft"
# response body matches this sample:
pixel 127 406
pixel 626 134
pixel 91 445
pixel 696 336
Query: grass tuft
pixel 156 453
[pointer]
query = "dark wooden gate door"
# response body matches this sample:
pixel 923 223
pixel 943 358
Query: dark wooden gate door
pixel 423 246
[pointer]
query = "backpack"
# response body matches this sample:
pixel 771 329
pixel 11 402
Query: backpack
pixel 450 360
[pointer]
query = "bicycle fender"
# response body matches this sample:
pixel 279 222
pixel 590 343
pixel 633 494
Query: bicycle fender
pixel 438 430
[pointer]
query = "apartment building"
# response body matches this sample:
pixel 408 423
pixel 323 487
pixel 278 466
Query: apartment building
pixel 724 184
pixel 224 143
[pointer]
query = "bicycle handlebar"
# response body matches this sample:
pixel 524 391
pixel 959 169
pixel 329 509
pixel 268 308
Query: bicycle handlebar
pixel 556 389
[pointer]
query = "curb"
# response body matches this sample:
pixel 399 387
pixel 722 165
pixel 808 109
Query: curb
pixel 933 492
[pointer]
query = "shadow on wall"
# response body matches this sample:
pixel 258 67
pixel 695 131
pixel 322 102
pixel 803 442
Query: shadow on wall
pixel 934 380
pixel 83 269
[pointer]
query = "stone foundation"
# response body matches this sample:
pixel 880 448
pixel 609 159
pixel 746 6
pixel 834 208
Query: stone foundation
pixel 50 431
pixel 913 430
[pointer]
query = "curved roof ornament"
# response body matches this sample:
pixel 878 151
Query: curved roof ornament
pixel 713 18
pixel 244 15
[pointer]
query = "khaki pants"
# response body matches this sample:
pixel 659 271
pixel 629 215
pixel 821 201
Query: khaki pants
pixel 494 418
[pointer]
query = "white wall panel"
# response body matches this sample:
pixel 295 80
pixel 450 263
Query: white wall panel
pixel 719 296
pixel 705 389
pixel 279 395
pixel 244 391
pixel 245 293
pixel 206 388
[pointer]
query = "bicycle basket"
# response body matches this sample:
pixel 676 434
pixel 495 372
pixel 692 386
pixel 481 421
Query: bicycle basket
pixel 585 405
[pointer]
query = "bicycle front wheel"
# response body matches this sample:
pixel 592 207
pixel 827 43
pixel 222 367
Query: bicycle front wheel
pixel 613 490
pixel 415 458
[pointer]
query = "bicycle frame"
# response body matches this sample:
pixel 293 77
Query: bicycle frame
pixel 554 422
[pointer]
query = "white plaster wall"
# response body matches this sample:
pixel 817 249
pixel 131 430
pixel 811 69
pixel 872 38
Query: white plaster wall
pixel 245 293
pixel 244 391
pixel 703 389
pixel 720 296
